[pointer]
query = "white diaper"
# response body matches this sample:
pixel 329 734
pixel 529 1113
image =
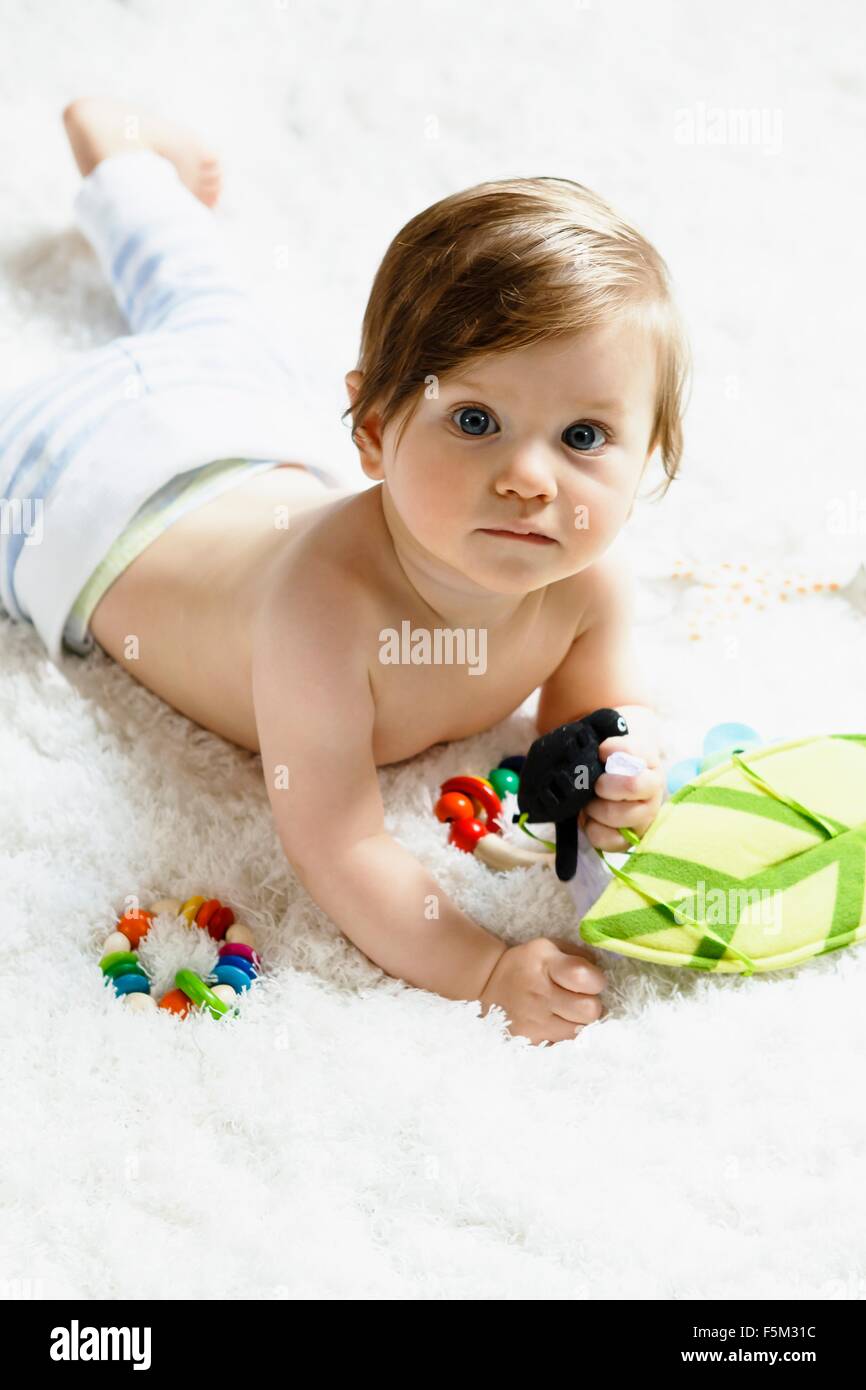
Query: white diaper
pixel 201 378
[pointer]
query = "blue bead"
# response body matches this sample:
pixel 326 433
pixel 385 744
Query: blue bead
pixel 240 963
pixel 131 984
pixel 230 975
pixel 514 764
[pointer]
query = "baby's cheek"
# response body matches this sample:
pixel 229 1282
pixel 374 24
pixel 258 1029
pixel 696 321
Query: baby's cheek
pixel 442 530
pixel 421 509
pixel 599 515
pixel 435 501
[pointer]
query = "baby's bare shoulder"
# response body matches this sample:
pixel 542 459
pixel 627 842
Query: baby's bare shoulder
pixel 600 592
pixel 325 581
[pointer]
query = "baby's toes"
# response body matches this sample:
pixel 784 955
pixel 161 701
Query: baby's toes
pixel 209 181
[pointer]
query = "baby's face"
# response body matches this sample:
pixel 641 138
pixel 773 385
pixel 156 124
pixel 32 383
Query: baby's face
pixel 551 438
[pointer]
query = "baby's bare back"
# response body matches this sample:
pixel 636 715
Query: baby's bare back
pixel 181 618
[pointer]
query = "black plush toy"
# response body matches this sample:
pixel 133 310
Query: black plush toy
pixel 559 777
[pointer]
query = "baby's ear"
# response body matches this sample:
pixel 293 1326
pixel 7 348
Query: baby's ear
pixel 353 381
pixel 366 437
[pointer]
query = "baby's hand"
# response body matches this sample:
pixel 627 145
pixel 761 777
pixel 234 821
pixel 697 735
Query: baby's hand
pixel 632 801
pixel 549 990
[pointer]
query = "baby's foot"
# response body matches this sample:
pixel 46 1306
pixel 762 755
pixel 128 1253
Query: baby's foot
pixel 98 127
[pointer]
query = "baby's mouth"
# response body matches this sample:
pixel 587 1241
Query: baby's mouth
pixel 532 537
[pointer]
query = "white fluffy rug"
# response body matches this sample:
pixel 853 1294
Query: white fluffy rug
pixel 348 1137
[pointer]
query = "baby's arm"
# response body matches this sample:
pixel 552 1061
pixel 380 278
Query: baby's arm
pixel 601 670
pixel 315 716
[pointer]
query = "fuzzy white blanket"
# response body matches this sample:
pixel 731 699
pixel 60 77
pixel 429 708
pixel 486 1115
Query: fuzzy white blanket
pixel 349 1137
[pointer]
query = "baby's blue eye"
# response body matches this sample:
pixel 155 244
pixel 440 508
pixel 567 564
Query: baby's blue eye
pixel 473 420
pixel 581 436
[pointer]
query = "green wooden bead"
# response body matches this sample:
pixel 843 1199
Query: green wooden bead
pixel 195 989
pixel 108 965
pixel 503 780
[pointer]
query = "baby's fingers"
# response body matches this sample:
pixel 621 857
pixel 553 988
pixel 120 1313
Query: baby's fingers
pixel 575 1008
pixel 617 813
pixel 604 837
pixel 640 786
pixel 557 1030
pixel 576 973
pixel 576 948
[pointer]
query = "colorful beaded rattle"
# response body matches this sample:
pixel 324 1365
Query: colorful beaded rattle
pixel 464 799
pixel 238 965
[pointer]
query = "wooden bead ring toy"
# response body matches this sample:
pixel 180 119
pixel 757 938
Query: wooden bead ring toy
pixel 238 965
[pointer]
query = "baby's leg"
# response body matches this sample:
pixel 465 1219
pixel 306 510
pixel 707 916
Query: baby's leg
pixel 144 206
pixel 98 127
pixel 202 377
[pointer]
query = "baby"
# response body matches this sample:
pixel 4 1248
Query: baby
pixel 521 360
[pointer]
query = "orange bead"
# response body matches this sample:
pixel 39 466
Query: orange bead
pixel 135 924
pixel 176 1002
pixel 206 911
pixel 453 806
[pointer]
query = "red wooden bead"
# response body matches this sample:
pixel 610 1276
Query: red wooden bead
pixel 220 922
pixel 466 832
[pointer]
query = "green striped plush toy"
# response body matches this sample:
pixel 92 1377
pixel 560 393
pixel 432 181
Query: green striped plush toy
pixel 758 864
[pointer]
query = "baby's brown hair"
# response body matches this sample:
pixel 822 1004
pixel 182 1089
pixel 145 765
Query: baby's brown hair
pixel 506 264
